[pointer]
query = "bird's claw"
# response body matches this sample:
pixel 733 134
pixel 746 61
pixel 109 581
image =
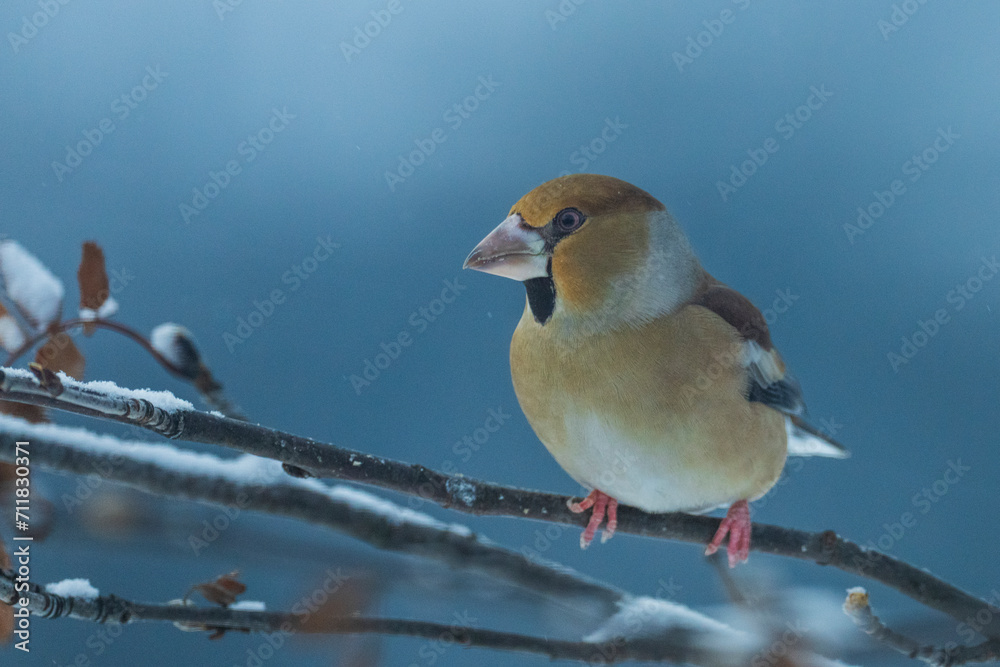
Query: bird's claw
pixel 737 526
pixel 603 504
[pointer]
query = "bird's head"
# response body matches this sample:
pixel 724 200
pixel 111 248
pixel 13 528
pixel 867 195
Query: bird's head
pixel 593 252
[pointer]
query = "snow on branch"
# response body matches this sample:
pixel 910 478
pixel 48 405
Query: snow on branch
pixel 307 457
pixel 170 345
pixel 684 638
pixel 253 483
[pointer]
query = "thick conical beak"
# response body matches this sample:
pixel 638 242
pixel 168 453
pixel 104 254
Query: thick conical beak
pixel 512 250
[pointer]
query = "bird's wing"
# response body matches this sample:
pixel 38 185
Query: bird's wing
pixel 768 382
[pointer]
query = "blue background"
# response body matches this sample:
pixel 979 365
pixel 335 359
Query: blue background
pixel 557 83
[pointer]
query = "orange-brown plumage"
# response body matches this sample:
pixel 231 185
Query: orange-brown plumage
pixel 649 381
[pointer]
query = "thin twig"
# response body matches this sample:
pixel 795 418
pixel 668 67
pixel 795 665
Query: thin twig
pixel 684 646
pixel 734 590
pixel 139 465
pixel 208 387
pixel 479 497
pixel 111 325
pixel 857 608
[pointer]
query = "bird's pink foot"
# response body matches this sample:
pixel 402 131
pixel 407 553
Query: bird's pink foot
pixel 602 504
pixel 737 525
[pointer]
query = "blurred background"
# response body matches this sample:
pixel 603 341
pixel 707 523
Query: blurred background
pixel 211 147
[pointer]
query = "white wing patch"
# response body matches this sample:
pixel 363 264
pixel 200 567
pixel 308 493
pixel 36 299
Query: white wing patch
pixel 803 443
pixel 763 366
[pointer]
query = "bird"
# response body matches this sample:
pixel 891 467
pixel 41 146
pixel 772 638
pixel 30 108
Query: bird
pixel 650 382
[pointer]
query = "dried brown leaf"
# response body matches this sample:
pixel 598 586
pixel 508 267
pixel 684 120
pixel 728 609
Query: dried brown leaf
pixel 30 413
pixel 6 612
pixel 47 378
pixel 93 279
pixel 223 590
pixel 4 557
pixel 11 335
pixel 60 353
pixel 347 596
pixel 6 624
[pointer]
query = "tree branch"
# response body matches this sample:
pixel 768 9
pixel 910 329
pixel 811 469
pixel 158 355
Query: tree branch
pixel 264 488
pixel 100 323
pixel 857 608
pixel 683 646
pixel 209 389
pixel 462 494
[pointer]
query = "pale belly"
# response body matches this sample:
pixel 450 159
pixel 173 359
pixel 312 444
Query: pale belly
pixel 675 472
pixel 638 421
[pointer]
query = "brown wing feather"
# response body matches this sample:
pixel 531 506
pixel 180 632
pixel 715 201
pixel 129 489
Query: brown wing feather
pixel 735 309
pixel 767 383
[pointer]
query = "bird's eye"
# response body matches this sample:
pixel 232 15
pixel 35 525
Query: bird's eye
pixel 568 220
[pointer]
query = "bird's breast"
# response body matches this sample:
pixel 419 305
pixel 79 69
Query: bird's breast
pixel 655 416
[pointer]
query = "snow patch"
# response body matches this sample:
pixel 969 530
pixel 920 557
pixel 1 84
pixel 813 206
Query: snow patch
pixel 462 489
pixel 32 287
pixel 246 469
pixel 76 588
pixel 161 399
pixel 389 510
pixel 11 336
pixel 106 310
pixel 164 340
pixel 645 617
pixel 248 605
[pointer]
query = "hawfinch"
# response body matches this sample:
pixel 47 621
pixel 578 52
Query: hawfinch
pixel 651 383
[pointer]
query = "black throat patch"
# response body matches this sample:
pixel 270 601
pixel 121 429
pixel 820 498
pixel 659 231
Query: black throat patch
pixel 541 296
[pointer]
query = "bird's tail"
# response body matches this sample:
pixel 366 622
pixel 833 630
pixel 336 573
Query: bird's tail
pixel 806 440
